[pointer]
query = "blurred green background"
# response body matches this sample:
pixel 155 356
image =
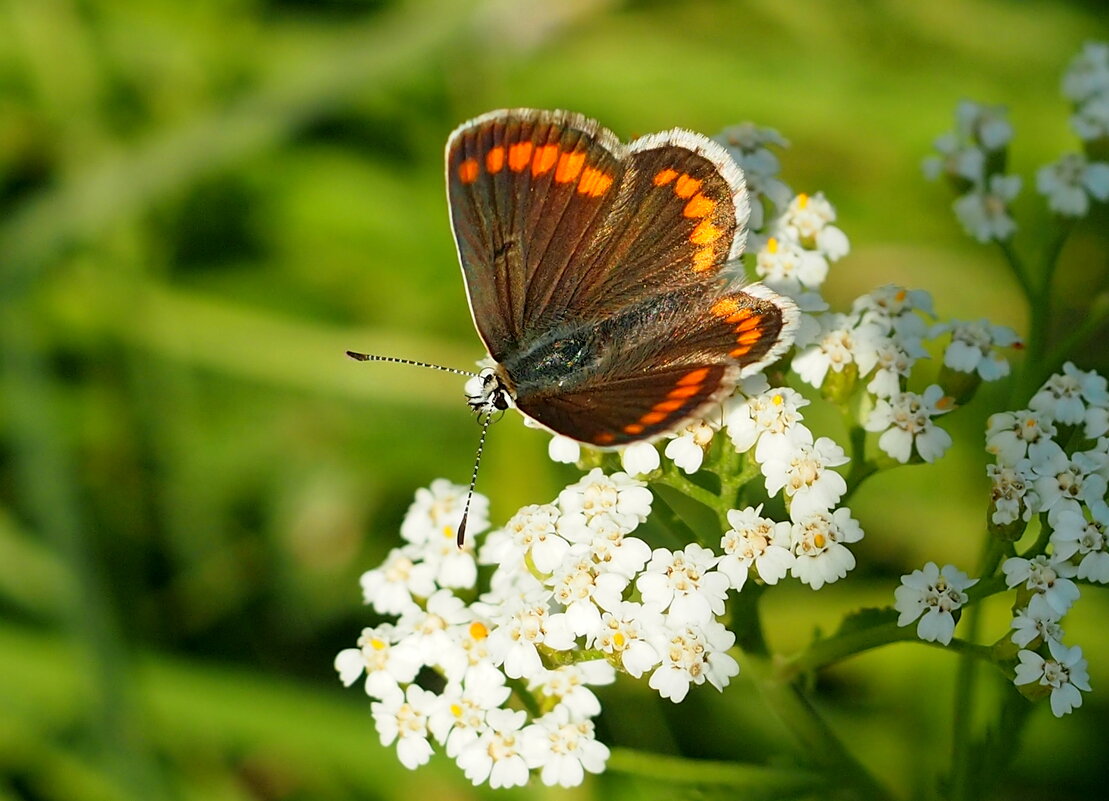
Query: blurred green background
pixel 203 204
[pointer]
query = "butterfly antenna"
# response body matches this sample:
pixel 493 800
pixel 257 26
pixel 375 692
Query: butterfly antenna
pixel 473 477
pixel 369 357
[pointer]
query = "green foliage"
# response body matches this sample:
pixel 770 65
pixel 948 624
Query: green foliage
pixel 203 204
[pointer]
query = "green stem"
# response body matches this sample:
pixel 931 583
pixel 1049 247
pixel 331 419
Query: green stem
pixel 755 780
pixel 673 477
pixel 843 646
pixel 966 688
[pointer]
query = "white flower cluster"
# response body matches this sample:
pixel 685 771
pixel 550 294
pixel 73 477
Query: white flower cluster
pixel 971 158
pixel 749 145
pixel 571 599
pixel 1052 460
pixel 1086 85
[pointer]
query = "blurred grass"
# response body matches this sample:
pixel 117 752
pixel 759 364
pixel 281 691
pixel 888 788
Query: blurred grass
pixel 203 205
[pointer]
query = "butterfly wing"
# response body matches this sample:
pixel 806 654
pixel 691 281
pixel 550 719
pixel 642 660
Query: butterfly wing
pixel 658 365
pixel 596 271
pixel 528 191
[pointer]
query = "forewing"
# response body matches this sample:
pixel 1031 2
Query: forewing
pixel 529 191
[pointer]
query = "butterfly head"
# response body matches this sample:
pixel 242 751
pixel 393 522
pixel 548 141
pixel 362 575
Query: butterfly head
pixel 490 391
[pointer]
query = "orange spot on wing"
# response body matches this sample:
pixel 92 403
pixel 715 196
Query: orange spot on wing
pixel 705 233
pixel 725 307
pixel 467 171
pixel 699 206
pixel 569 167
pixel 594 182
pixel 652 417
pixel 735 352
pixel 545 158
pixel 664 177
pixel 704 259
pixel 694 377
pixel 668 405
pixel 604 438
pixel 519 156
pixel 494 160
pixel 687 186
pixel 747 322
pixel 749 337
pixel 740 316
pixel 687 391
pixel 633 429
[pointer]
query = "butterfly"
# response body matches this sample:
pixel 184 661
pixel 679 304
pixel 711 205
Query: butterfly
pixel 601 276
pixel 598 274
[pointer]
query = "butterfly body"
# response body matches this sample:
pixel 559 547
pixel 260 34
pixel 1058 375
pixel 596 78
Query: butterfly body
pixel 598 277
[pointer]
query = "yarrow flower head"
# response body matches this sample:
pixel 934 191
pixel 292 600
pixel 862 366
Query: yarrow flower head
pixel 1062 676
pixel 905 421
pixel 1070 183
pixel 932 595
pixel 973 347
pixel 984 212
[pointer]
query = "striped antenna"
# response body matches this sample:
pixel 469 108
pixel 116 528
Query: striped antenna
pixel 370 357
pixel 473 477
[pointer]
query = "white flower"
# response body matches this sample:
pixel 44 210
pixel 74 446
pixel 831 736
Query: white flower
pixel 747 144
pixel 984 212
pixel 788 268
pixel 437 511
pixel 905 421
pixel 972 347
pixel 805 475
pixel 1037 621
pixel 1069 183
pixel 771 420
pixel 958 159
pixel 568 686
pixel 1045 575
pixel 533 530
pixel 1064 482
pixel 1088 73
pixel 684 583
pixel 1097 422
pixel 820 555
pixel 388 658
pixel 563 747
pixel 932 594
pixel 687 449
pixel 895 359
pixel 690 655
pixel 1090 122
pixel 988 125
pixel 1008 434
pixel 1065 673
pixel 640 458
pixel 427 629
pixel 597 493
pixel 496 755
pixel 895 310
pixel 392 588
pixel 458 716
pixel 755 541
pixel 1073 536
pixel 1065 396
pixel 627 633
pixel 808 221
pixel 607 544
pixel 403 717
pixel 839 343
pixel 583 592
pixel 563 450
pixel 513 643
pixel 1010 494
